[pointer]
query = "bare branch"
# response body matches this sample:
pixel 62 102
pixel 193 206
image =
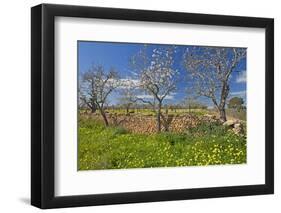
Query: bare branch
pixel 97 85
pixel 210 68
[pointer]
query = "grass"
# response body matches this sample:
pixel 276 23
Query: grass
pixel 115 147
pixel 238 114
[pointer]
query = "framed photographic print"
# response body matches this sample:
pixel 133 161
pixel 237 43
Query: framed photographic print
pixel 139 106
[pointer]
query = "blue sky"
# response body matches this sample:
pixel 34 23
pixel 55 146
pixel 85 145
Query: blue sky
pixel 117 55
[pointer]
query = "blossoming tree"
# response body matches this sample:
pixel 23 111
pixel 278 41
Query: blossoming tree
pixel 210 69
pixel 157 78
pixel 97 85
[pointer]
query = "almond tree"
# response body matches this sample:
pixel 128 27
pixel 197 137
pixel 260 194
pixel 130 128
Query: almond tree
pixel 157 77
pixel 97 85
pixel 210 69
pixel 86 99
pixel 127 93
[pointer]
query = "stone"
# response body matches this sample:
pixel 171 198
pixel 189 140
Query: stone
pixel 229 123
pixel 237 125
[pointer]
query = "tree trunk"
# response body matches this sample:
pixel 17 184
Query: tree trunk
pixel 224 94
pixel 159 118
pixel 222 115
pixel 166 122
pixel 127 110
pixel 93 109
pixel 103 114
pixel 104 117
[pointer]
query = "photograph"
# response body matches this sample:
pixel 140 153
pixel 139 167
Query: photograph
pixel 133 105
pixel 147 105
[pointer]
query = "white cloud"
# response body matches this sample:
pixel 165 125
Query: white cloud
pixel 238 93
pixel 168 97
pixel 134 73
pixel 125 83
pixel 242 77
pixel 145 96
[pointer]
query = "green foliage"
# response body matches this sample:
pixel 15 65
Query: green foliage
pixel 209 128
pixel 119 131
pixel 114 147
pixel 236 103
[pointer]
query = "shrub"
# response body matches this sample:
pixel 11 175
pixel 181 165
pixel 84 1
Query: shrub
pixel 119 130
pixel 209 128
pixel 173 138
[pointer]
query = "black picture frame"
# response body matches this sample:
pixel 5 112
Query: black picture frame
pixel 43 102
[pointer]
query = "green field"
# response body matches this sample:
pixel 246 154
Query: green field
pixel 114 147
